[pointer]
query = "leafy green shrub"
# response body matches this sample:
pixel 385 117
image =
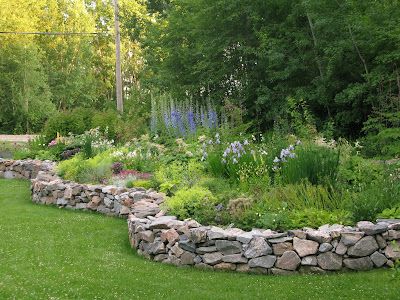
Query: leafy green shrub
pixel 93 170
pixel 108 123
pixel 373 199
pixel 357 170
pixel 318 165
pixel 24 153
pixel 383 134
pixel 75 121
pixel 390 213
pixel 195 202
pixel 147 184
pixel 178 174
pixel 311 217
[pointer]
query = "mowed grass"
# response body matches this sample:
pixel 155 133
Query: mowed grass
pixel 49 253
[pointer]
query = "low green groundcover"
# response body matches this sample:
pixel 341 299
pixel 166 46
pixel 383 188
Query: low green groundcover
pixel 48 253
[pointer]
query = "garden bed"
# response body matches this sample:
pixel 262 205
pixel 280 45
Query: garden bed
pixel 167 239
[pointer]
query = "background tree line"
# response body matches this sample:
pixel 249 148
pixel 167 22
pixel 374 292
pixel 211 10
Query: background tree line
pixel 338 61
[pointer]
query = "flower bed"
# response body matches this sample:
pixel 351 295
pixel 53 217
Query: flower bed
pixel 169 240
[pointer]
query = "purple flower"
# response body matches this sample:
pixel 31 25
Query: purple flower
pixel 191 121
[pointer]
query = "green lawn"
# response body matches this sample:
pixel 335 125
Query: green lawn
pixel 48 253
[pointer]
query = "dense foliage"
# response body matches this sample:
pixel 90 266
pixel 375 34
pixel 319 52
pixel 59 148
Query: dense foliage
pixel 336 63
pixel 264 113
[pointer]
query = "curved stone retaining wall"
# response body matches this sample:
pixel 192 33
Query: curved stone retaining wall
pixel 166 239
pixel 24 169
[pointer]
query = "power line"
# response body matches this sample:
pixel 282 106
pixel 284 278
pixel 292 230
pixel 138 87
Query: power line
pixel 53 33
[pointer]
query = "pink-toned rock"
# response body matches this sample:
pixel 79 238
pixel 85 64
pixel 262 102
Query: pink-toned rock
pixel 305 247
pixel 170 236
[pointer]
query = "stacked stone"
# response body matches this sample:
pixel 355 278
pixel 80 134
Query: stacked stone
pixel 23 169
pixel 330 248
pixel 166 239
pixel 110 200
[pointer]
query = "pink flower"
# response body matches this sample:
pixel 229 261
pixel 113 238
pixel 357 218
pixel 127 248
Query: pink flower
pixel 52 143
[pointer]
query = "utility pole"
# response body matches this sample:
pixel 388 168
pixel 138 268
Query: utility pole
pixel 118 76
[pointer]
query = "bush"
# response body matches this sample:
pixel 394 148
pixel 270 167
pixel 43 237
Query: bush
pixel 147 184
pixel 314 218
pixel 93 170
pixel 75 121
pixel 390 213
pixel 179 175
pixel 195 202
pixel 108 122
pixel 373 199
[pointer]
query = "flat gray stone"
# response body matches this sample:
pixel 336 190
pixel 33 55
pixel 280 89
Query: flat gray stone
pixel 329 261
pixel 359 264
pixel 319 236
pixel 350 238
pixel 164 222
pixel 212 258
pixel 228 247
pixel 215 233
pixel 203 250
pixel 311 270
pixel 364 247
pixel 277 271
pixel 187 245
pixel 266 262
pixel 143 209
pixel 245 238
pixel 235 259
pixel 370 228
pixel 280 240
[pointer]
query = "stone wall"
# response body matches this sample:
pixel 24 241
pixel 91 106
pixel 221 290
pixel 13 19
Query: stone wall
pixel 168 240
pixel 330 248
pixel 24 169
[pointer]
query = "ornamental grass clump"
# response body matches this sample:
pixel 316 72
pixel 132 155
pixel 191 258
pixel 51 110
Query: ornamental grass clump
pixel 318 165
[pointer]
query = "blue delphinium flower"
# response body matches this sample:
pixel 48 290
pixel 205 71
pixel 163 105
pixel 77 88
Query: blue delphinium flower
pixel 191 121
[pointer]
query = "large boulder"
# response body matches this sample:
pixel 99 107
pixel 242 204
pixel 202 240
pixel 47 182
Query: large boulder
pixel 288 261
pixel 370 228
pixel 305 247
pixel 266 262
pixel 364 247
pixel 363 263
pixel 257 247
pixel 329 261
pixel 212 258
pixel 350 238
pixel 228 247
